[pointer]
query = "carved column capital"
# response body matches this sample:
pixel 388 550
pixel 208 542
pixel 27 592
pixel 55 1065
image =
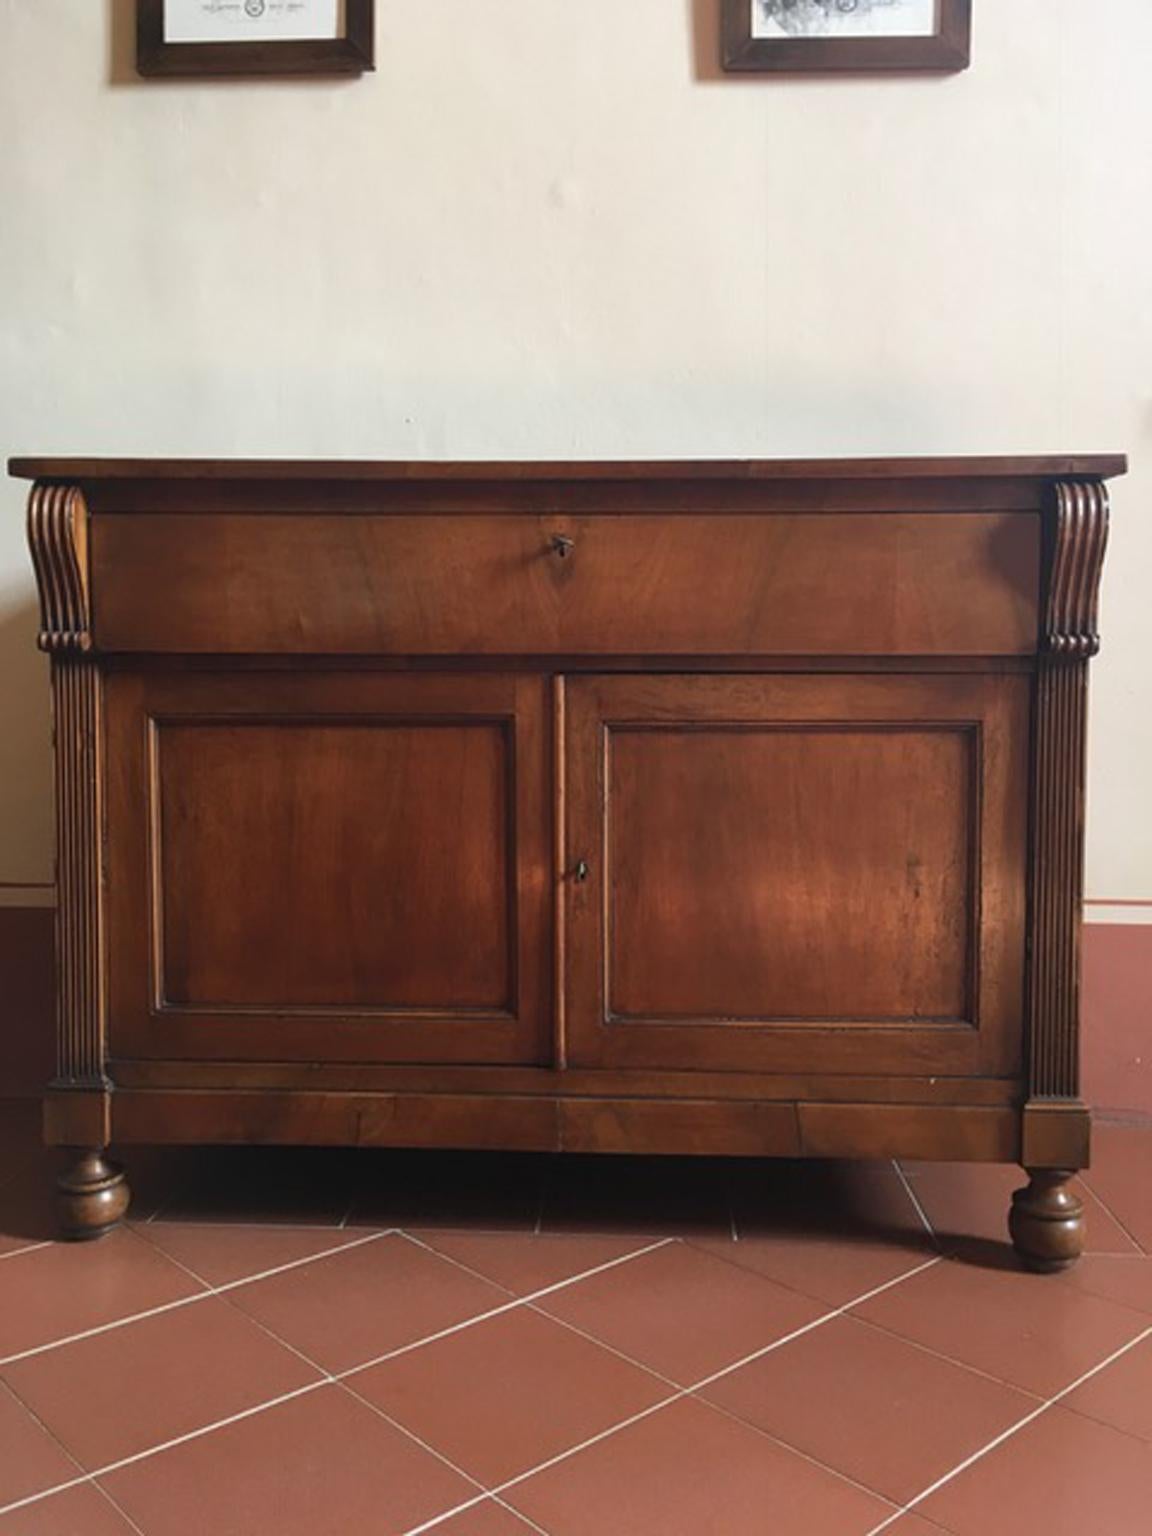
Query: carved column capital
pixel 1077 538
pixel 58 539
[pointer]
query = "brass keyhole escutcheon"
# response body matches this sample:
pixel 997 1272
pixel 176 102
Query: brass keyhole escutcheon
pixel 561 545
pixel 582 871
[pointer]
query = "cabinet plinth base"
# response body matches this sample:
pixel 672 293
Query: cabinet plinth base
pixel 92 1196
pixel 1047 1221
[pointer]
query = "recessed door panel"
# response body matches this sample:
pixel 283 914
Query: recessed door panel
pixel 791 874
pixel 378 864
pixel 329 867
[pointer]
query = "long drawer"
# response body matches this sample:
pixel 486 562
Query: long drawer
pixel 800 584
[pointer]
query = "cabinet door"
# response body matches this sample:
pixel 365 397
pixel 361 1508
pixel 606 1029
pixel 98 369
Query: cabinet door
pixel 329 867
pixel 796 874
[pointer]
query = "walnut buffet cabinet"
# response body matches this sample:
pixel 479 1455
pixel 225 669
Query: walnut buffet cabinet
pixel 671 807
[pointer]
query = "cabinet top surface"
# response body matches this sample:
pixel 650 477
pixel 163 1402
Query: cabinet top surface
pixel 1043 467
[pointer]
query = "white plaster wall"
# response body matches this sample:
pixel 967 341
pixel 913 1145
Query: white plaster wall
pixel 549 228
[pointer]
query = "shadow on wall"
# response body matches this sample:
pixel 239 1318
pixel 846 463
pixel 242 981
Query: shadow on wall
pixel 705 22
pixel 122 43
pixel 25 748
pixel 26 932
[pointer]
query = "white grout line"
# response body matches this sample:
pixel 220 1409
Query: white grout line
pixel 302 1263
pixel 936 1354
pixel 605 1434
pixel 410 1434
pixel 120 1510
pixel 733 1225
pixel 915 1199
pixel 523 1519
pixel 9 1390
pixel 558 1285
pixel 30 1248
pixel 185 1301
pixel 633 1253
pixel 715 1407
pixel 334 1381
pixel 546 1179
pixel 1108 1211
pixel 338 1378
pixel 649 1370
pixel 195 1223
pixel 327 1378
pixel 49 1493
pixel 1011 1431
pixel 167 1445
pixel 508 1306
pixel 450 1514
pixel 684 1392
pixel 572 1327
pixel 120 1322
pixel 459 1264
pixel 197 1434
pixel 828 1317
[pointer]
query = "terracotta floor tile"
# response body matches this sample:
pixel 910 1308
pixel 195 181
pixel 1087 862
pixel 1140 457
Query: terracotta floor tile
pixel 82 1511
pixel 476 1191
pixel 30 1459
pixel 54 1292
pixel 1126 1280
pixel 1121 1395
pixel 966 1201
pixel 833 1269
pixel 321 1465
pixel 682 1312
pixel 881 1411
pixel 1121 1174
pixel 1031 1330
pixel 1063 1476
pixel 508 1394
pixel 486 1519
pixel 643 1196
pixel 135 1387
pixel 525 1263
pixel 220 1255
pixel 281 1186
pixel 347 1309
pixel 689 1471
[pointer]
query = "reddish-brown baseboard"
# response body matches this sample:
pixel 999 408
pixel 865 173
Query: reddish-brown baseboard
pixel 1117 1014
pixel 1117 1010
pixel 27 945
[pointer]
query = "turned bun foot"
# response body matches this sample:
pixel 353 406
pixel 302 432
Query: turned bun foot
pixel 1047 1221
pixel 91 1197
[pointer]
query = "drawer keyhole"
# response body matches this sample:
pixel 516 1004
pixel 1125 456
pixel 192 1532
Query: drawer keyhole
pixel 562 546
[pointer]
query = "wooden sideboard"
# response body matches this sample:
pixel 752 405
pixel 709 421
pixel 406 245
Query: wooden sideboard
pixel 670 807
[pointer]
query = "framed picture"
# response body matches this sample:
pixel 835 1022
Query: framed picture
pixel 863 35
pixel 254 37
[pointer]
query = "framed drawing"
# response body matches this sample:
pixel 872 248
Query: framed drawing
pixel 862 35
pixel 254 37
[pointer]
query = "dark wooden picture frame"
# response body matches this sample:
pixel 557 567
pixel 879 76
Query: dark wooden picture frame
pixel 351 54
pixel 947 51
